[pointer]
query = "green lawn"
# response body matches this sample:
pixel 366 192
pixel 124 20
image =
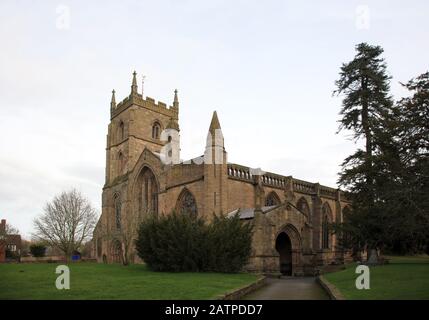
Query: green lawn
pixel 403 278
pixel 102 281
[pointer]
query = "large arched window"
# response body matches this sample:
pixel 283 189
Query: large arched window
pixel 156 130
pixel 326 218
pixel 147 189
pixel 272 199
pixel 186 203
pixel 303 206
pixel 118 206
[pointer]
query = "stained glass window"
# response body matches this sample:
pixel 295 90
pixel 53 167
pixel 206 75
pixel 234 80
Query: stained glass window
pixel 186 203
pixel 118 212
pixel 326 213
pixel 272 200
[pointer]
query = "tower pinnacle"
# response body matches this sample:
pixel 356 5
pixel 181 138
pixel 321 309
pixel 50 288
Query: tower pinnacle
pixel 176 100
pixel 113 101
pixel 134 85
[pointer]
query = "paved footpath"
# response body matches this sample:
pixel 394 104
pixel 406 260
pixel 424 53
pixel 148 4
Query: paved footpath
pixel 289 288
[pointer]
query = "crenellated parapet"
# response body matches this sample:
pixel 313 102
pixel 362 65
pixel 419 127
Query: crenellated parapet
pixel 148 103
pixel 136 99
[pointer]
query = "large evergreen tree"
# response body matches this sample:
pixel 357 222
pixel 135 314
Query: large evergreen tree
pixel 366 110
pixel 407 196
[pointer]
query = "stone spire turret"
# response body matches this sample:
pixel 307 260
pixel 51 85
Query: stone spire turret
pixel 172 130
pixel 134 85
pixel 113 101
pixel 214 124
pixel 215 136
pixel 215 170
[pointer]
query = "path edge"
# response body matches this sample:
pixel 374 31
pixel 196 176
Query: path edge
pixel 331 290
pixel 237 294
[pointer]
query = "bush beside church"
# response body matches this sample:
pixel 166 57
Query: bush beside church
pixel 180 242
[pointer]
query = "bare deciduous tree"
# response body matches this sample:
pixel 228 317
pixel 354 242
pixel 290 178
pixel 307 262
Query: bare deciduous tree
pixel 68 221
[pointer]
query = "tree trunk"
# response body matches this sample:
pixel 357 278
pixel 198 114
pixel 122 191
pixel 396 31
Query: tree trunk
pixel 67 254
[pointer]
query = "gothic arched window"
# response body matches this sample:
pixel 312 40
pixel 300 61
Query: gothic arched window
pixel 272 199
pixel 186 203
pixel 303 206
pixel 156 130
pixel 118 207
pixel 147 192
pixel 326 217
pixel 325 233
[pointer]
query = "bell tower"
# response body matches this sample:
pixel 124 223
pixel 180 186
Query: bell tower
pixel 136 123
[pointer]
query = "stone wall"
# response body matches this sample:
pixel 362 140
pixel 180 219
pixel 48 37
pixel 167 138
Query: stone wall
pixel 217 188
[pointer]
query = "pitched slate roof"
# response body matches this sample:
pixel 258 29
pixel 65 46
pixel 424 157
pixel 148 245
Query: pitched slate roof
pixel 249 213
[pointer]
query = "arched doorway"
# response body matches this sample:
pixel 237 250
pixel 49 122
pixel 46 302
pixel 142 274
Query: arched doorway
pixel 284 248
pixel 116 251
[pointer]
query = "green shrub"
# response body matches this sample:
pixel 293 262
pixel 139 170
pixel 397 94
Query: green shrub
pixel 229 241
pixel 180 242
pixel 38 250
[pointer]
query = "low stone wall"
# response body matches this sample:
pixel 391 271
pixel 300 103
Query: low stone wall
pixel 241 292
pixel 43 259
pixel 52 259
pixel 330 289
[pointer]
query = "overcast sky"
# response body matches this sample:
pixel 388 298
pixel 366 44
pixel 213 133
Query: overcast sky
pixel 267 67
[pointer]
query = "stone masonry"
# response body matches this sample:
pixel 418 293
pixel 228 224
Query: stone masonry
pixel 144 175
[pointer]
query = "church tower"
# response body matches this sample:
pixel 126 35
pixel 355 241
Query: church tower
pixel 136 123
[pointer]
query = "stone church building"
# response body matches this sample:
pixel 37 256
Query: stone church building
pixel 144 175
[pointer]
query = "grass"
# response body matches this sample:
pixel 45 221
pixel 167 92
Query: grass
pixel 403 278
pixel 109 281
